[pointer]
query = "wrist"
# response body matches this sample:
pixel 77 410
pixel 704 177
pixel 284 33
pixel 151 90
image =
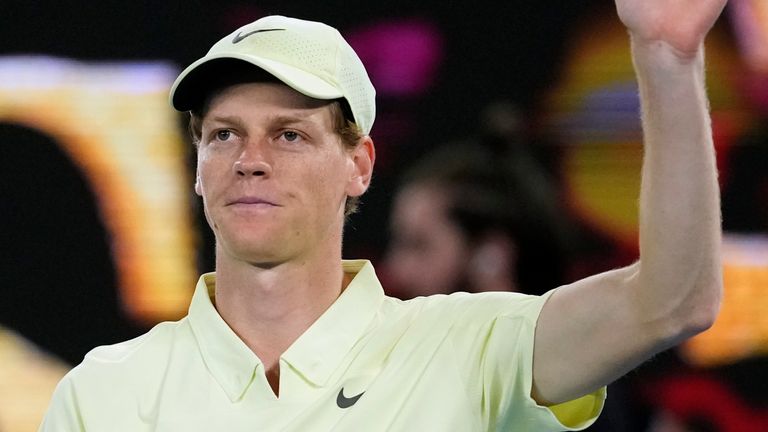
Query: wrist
pixel 661 55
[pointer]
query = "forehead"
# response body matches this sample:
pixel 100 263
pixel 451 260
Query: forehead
pixel 255 96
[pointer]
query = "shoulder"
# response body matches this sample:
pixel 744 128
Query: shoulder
pixel 138 358
pixel 124 351
pixel 463 318
pixel 474 306
pixel 114 380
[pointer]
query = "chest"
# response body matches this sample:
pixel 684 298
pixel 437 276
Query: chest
pixel 406 387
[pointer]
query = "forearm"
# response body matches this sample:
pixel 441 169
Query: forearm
pixel 674 291
pixel 679 276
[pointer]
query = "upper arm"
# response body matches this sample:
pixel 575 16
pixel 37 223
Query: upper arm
pixel 492 340
pixel 590 333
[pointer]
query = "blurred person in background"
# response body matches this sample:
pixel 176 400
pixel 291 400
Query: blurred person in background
pixel 478 215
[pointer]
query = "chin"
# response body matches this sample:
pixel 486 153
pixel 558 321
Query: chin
pixel 266 256
pixel 254 246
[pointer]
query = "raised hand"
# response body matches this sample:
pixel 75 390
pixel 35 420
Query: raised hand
pixel 682 24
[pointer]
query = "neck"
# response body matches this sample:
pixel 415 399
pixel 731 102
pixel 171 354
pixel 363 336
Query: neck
pixel 270 307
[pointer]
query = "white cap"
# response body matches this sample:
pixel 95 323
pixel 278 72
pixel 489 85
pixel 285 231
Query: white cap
pixel 310 57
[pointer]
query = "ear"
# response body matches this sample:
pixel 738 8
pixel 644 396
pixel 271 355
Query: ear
pixel 362 159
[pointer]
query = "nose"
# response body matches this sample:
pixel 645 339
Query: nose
pixel 253 161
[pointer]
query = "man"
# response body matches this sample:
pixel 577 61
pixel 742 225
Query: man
pixel 286 336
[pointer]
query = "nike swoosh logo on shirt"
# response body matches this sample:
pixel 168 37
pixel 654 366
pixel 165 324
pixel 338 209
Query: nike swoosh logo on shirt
pixel 345 402
pixel 240 36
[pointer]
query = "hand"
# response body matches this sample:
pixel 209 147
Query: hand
pixel 682 24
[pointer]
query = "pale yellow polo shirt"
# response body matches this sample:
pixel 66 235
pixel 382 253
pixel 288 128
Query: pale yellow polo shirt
pixel 370 363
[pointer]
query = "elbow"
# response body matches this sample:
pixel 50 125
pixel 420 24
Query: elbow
pixel 687 303
pixel 701 319
pixel 696 316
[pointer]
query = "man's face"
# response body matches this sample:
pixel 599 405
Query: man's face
pixel 273 174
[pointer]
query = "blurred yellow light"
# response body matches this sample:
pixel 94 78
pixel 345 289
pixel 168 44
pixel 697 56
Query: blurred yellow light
pixel 114 122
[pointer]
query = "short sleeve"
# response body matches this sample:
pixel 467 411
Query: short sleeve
pixel 500 328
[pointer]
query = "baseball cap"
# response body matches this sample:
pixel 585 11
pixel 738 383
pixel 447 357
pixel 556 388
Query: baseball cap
pixel 310 57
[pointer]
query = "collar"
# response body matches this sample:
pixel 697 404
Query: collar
pixel 320 350
pixel 226 356
pixel 314 355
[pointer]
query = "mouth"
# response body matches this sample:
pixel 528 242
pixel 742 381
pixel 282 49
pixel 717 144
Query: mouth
pixel 252 201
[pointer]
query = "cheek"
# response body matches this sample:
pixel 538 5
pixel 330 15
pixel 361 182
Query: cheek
pixel 326 184
pixel 201 189
pixel 200 172
pixel 210 171
pixel 208 185
pixel 198 187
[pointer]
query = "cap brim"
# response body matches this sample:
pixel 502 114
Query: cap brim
pixel 193 84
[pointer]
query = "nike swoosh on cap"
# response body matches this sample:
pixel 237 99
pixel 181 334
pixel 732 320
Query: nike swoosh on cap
pixel 345 402
pixel 240 36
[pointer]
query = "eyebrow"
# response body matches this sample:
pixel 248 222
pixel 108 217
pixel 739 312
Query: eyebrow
pixel 279 119
pixel 290 119
pixel 226 119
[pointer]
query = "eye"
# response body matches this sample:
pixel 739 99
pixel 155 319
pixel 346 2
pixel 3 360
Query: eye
pixel 223 134
pixel 290 136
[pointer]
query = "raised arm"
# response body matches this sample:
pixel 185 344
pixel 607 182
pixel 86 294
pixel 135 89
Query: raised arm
pixel 595 330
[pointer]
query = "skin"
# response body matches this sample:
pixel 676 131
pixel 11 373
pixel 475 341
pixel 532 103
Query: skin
pixel 274 178
pixel 593 331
